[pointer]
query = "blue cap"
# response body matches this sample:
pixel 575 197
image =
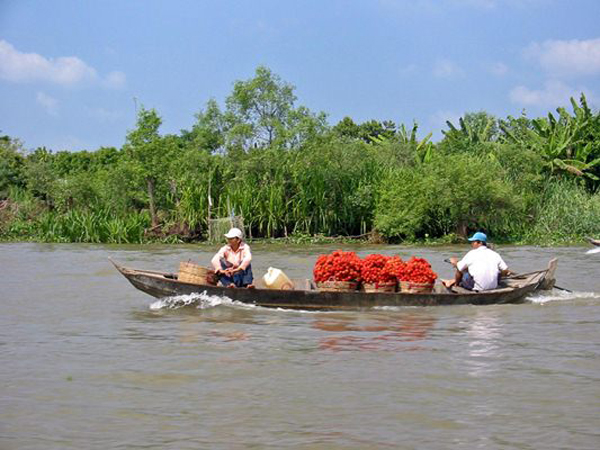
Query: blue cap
pixel 479 236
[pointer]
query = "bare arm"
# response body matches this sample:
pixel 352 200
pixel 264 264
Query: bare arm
pixel 216 260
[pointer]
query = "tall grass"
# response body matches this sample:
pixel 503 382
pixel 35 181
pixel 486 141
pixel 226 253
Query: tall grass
pixel 327 189
pixel 565 212
pixel 80 226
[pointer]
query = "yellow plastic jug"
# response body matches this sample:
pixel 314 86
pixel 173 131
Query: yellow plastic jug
pixel 276 279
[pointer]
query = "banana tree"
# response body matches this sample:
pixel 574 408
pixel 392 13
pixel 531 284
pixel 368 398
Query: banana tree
pixel 474 129
pixel 423 149
pixel 563 141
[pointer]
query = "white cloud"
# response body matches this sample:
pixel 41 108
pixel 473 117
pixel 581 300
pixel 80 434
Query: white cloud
pixel 554 93
pixel 445 68
pixel 50 104
pixel 115 80
pixel 21 67
pixel 566 58
pixel 25 67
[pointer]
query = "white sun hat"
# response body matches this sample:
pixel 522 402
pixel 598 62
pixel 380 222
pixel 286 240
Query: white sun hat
pixel 234 233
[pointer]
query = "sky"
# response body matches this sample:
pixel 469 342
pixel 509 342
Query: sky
pixel 74 73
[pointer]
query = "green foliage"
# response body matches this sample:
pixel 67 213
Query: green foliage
pixel 66 163
pixel 370 131
pixel 450 194
pixel 347 128
pixel 92 226
pixel 564 212
pixel 208 133
pixel 423 150
pixel 334 187
pixel 40 177
pixel 146 155
pixel 474 129
pixel 258 109
pixel 568 144
pixel 195 186
pixel 12 161
pixel 259 113
pixel 79 226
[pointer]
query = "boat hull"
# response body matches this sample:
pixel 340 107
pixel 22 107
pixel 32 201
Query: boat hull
pixel 162 285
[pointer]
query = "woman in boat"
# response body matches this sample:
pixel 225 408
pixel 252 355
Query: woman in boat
pixel 480 269
pixel 232 261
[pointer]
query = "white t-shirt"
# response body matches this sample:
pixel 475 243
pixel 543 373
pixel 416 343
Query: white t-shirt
pixel 484 265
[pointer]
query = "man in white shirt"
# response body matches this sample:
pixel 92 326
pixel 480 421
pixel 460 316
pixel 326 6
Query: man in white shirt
pixel 480 269
pixel 232 261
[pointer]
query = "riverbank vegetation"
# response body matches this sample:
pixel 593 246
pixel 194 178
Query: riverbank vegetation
pixel 289 173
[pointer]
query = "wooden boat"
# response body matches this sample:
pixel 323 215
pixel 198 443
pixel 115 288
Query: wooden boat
pixel 595 242
pixel 306 296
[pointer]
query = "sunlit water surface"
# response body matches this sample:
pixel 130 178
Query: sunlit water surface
pixel 87 361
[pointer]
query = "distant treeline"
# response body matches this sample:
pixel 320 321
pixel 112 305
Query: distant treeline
pixel 289 173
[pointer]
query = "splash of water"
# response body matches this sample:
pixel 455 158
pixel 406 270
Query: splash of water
pixel 556 295
pixel 200 301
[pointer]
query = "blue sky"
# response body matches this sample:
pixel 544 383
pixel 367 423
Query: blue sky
pixel 72 72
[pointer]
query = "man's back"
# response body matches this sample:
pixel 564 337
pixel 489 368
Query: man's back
pixel 484 265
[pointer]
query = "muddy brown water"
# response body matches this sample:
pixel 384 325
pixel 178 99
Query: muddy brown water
pixel 88 362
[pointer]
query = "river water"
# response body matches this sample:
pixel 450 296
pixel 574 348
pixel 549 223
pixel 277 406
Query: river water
pixel 89 362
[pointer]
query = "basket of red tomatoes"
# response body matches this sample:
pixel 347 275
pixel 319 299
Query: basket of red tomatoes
pixel 416 276
pixel 378 274
pixel 338 271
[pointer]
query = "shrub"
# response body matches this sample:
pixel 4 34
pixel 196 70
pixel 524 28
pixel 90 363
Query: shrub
pixel 455 193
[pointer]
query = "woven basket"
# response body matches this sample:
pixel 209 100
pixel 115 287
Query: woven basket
pixel 416 288
pixel 195 274
pixel 379 287
pixel 337 286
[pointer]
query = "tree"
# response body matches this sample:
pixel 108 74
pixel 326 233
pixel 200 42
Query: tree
pixel 258 109
pixel 372 130
pixel 347 128
pixel 147 155
pixel 259 113
pixel 40 175
pixel 12 162
pixel 568 143
pixel 474 129
pixel 208 133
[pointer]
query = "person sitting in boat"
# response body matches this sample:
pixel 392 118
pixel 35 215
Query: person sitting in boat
pixel 232 261
pixel 480 269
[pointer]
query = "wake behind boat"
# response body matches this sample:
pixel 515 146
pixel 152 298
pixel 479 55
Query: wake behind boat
pixel 595 243
pixel 306 295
